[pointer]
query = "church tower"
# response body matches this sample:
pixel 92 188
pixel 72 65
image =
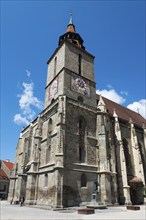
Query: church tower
pixel 71 92
pixel 56 156
pixel 71 70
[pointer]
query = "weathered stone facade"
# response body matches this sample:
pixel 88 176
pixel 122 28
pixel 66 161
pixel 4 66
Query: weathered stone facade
pixel 79 137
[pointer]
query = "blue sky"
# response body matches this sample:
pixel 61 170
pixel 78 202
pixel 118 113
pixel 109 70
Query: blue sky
pixel 113 31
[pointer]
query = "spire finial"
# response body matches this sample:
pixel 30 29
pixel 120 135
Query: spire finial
pixel 71 20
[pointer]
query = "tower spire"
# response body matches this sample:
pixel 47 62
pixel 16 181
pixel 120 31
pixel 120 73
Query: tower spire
pixel 70 26
pixel 71 19
pixel 71 35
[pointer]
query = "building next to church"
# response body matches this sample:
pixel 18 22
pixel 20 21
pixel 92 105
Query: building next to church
pixel 79 138
pixel 5 172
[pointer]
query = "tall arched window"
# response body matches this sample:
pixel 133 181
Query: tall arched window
pixel 143 158
pixel 55 65
pixel 80 63
pixel 81 140
pixel 46 179
pixel 48 147
pixel 50 125
pixel 129 166
pixel 83 180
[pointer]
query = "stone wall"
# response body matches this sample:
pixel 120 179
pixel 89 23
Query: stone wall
pixel 74 113
pixel 60 63
pixel 71 61
pixel 73 193
pixel 46 191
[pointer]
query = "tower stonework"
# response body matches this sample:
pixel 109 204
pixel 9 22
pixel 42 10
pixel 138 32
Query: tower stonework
pixel 78 138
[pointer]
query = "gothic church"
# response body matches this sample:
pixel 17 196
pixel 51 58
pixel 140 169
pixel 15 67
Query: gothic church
pixel 78 138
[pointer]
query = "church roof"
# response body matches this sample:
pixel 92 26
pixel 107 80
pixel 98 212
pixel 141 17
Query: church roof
pixel 123 112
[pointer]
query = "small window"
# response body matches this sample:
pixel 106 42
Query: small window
pixel 50 125
pixel 50 121
pixel 4 187
pixel 52 101
pixel 75 42
pixel 46 180
pixel 80 99
pixel 16 167
pixel 83 180
pixel 82 123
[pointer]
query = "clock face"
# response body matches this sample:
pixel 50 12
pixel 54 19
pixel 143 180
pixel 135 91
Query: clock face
pixel 53 89
pixel 80 85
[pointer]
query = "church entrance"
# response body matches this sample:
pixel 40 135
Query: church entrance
pixel 136 191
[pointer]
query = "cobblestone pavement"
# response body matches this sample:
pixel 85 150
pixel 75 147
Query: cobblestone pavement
pixel 16 212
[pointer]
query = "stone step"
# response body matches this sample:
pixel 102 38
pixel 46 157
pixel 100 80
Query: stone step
pixel 86 211
pixel 133 207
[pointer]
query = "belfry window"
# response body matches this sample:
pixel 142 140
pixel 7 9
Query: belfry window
pixel 50 125
pixel 55 65
pixel 80 63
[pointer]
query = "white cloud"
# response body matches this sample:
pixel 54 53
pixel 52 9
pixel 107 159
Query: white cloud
pixel 112 95
pixel 109 86
pixel 27 103
pixel 28 73
pixel 124 93
pixel 18 119
pixel 27 98
pixel 139 107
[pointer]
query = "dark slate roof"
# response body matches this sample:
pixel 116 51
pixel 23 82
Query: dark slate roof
pixel 123 112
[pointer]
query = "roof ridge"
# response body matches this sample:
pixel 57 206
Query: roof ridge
pixel 122 106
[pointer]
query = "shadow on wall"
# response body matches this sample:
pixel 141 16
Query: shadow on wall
pixel 71 197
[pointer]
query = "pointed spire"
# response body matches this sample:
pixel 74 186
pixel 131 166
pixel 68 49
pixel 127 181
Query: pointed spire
pixel 143 125
pixel 130 121
pixel 71 27
pixel 114 113
pixel 71 20
pixel 71 35
pixel 101 104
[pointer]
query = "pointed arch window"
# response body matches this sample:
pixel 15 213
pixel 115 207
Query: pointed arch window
pixel 81 140
pixel 46 180
pixel 48 147
pixel 129 165
pixel 55 65
pixel 142 156
pixel 80 63
pixel 83 180
pixel 50 125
